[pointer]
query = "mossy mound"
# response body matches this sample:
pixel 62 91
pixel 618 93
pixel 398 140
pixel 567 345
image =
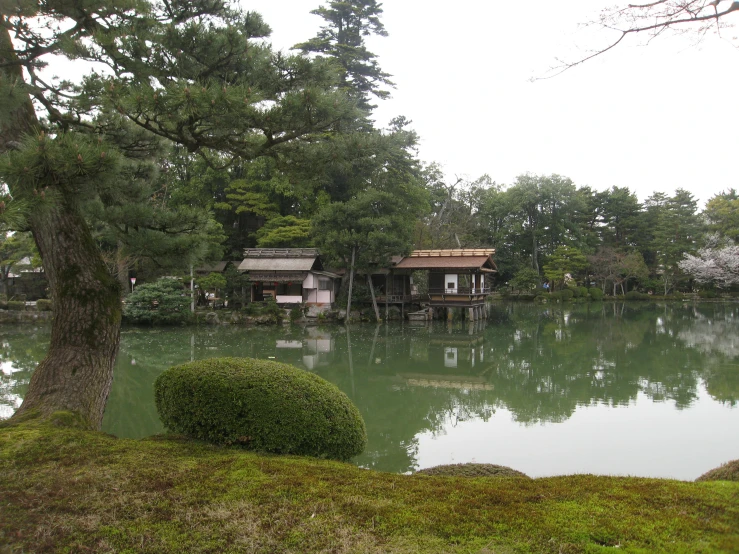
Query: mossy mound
pixel 726 472
pixel 262 405
pixel 472 470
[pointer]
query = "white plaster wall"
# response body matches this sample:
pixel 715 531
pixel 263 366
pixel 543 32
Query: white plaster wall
pixel 451 278
pixel 284 299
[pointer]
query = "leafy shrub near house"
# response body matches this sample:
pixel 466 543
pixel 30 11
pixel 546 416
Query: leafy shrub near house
pixel 43 305
pixel 164 302
pixel 262 405
pixel 272 309
pixel 595 293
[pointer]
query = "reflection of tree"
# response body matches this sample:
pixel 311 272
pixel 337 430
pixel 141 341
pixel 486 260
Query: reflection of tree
pixel 20 351
pixel 712 329
pixel 539 363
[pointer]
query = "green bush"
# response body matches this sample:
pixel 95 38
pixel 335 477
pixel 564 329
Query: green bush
pixel 296 313
pixel 3 304
pixel 17 306
pixel 43 305
pixel 635 295
pixel 472 470
pixel 566 295
pixel 164 302
pixel 595 293
pixel 726 472
pixel 708 294
pixel 273 310
pixel 262 405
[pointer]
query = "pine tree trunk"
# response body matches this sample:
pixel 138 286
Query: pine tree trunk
pixel 77 372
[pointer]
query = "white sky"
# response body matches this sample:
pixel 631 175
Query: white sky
pixel 651 118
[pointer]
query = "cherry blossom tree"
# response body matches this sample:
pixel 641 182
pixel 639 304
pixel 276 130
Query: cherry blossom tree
pixel 716 264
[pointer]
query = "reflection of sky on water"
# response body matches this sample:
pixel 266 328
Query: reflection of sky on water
pixel 644 390
pixel 645 439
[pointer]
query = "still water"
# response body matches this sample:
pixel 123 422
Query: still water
pixel 622 389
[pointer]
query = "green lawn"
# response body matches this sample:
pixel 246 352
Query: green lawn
pixel 67 490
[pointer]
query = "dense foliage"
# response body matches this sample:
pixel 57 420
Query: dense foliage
pixel 262 405
pixel 164 302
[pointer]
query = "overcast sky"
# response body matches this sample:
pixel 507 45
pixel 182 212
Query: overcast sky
pixel 651 118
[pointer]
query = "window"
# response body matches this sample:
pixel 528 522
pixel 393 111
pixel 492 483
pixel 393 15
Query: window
pixel 324 283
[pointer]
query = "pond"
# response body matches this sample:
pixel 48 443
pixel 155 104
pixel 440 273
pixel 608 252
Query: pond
pixel 621 389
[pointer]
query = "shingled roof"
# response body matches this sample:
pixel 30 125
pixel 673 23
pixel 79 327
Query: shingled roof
pixel 280 259
pixel 461 258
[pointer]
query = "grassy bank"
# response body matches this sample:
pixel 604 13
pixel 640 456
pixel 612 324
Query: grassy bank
pixel 66 490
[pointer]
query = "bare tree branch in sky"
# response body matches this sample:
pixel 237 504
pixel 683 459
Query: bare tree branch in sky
pixel 653 19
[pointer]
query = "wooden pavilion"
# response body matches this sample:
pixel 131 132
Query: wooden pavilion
pixel 457 278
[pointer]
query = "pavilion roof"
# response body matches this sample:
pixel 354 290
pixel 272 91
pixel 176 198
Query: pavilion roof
pixel 462 258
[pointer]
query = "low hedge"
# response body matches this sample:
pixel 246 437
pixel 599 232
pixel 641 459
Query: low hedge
pixel 726 472
pixel 595 293
pixel 472 470
pixel 17 306
pixel 262 405
pixel 566 294
pixel 43 305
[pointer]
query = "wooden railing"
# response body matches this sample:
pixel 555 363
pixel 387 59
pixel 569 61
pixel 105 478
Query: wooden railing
pixel 397 298
pixel 461 291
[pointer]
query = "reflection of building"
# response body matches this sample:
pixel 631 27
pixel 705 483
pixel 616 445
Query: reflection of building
pixel 313 351
pixel 448 361
pixel 289 275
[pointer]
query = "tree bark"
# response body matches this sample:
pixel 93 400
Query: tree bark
pixel 77 372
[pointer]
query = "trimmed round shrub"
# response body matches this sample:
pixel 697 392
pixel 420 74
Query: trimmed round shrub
pixel 726 472
pixel 472 470
pixel 635 295
pixel 566 294
pixel 262 405
pixel 595 294
pixel 16 306
pixel 43 305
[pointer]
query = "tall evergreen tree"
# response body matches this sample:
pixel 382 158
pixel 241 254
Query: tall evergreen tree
pixel 342 38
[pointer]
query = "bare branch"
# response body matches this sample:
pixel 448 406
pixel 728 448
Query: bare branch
pixel 655 18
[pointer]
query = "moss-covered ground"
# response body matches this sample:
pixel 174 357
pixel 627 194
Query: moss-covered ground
pixel 68 490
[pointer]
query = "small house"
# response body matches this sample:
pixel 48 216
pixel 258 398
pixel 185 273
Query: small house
pixel 289 275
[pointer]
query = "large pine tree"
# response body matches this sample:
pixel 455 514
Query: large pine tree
pixel 194 72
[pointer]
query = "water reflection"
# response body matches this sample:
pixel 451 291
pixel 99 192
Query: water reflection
pixel 531 365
